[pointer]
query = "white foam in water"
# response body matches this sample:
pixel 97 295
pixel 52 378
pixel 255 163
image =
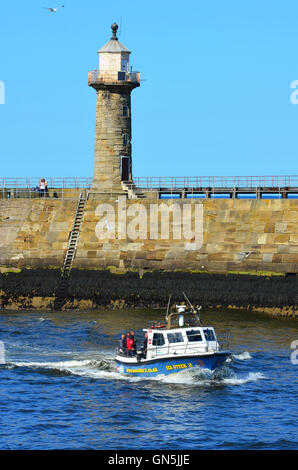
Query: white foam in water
pixel 242 356
pixel 252 377
pixel 105 369
pixel 187 377
pixel 56 365
pixel 77 367
pixel 2 353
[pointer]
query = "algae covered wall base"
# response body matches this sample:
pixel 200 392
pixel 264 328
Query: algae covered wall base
pixel 38 289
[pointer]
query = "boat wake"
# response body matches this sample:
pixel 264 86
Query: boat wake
pixel 206 378
pixel 103 367
pixel 93 368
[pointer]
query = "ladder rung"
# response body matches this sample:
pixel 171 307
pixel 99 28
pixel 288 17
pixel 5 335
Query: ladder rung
pixel 74 236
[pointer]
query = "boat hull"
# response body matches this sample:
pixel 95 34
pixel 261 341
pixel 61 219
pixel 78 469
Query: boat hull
pixel 166 366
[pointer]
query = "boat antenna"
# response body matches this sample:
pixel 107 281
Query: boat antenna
pixel 168 306
pixel 191 306
pixel 194 310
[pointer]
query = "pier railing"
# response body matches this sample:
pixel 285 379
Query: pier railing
pixel 218 186
pixel 57 187
pixel 53 182
pixel 156 182
pixel 161 186
pixel 178 182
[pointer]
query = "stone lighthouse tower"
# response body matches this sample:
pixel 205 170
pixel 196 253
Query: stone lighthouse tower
pixel 113 82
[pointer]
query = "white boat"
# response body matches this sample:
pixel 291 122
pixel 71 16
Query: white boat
pixel 181 342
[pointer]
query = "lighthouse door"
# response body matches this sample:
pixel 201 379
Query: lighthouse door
pixel 125 168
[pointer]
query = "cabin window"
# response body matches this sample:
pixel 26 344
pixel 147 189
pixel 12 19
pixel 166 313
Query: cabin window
pixel 175 337
pixel 158 339
pixel 125 111
pixel 194 335
pixel 209 335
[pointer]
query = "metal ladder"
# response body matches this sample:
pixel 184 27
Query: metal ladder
pixel 74 236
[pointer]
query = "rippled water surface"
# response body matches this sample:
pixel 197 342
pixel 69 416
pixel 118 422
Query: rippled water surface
pixel 59 388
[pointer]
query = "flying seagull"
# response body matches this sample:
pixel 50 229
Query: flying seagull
pixel 53 10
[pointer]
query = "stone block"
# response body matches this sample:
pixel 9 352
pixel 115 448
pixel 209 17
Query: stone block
pixel 282 238
pixel 281 227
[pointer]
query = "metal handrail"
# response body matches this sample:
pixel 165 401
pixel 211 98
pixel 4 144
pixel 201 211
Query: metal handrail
pixel 159 182
pixel 186 346
pixel 205 348
pixel 58 182
pixel 224 340
pixel 178 182
pixel 95 76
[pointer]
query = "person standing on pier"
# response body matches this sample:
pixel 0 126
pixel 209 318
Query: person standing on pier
pixel 43 187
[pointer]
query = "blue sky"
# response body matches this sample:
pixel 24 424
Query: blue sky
pixel 214 100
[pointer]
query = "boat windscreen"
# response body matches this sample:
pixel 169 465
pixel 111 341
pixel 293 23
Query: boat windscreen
pixel 194 335
pixel 158 339
pixel 175 337
pixel 209 334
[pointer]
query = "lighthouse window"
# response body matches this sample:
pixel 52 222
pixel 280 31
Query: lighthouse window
pixel 125 139
pixel 194 335
pixel 175 337
pixel 158 339
pixel 121 76
pixel 125 111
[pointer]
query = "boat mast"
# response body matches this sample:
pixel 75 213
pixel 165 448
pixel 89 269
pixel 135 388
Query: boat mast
pixel 168 307
pixel 193 309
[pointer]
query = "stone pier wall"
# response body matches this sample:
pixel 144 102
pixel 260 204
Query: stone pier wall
pixel 245 236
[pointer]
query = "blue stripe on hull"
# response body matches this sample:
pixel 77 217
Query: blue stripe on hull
pixel 173 365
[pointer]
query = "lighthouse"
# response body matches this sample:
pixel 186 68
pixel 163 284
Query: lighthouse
pixel 113 82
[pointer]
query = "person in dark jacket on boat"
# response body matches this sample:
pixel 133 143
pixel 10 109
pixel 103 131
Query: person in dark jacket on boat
pixel 122 344
pixel 145 346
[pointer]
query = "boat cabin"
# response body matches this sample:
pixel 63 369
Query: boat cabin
pixel 180 341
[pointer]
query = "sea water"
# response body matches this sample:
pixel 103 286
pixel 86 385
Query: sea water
pixel 59 388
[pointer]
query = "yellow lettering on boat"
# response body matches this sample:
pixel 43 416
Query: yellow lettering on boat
pixel 141 371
